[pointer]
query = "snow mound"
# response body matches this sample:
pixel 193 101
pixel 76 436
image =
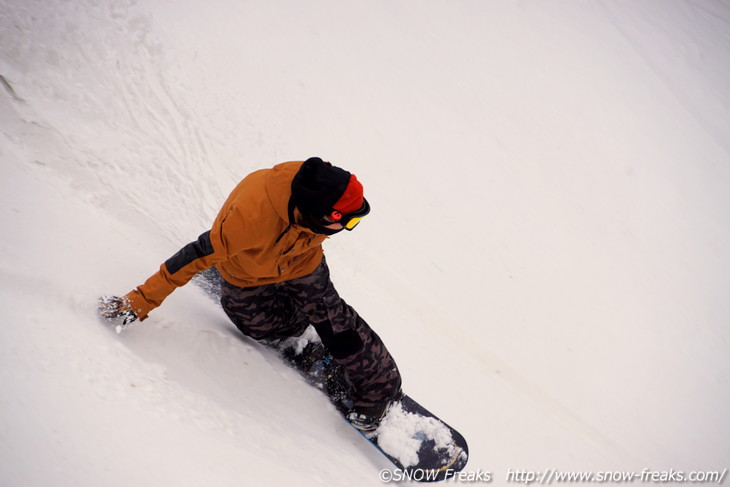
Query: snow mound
pixel 401 434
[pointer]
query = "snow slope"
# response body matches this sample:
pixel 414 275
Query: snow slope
pixel 546 257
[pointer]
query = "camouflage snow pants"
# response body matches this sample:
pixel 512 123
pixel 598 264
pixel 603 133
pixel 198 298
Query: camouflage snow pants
pixel 286 309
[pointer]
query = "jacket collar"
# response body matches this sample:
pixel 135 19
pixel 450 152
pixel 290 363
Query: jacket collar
pixel 278 189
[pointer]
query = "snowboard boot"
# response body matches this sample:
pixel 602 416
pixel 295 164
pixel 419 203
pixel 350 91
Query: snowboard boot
pixel 368 418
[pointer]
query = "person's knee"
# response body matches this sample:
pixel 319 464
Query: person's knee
pixel 340 345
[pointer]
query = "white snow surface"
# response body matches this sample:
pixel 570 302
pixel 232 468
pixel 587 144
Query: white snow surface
pixel 400 435
pixel 547 255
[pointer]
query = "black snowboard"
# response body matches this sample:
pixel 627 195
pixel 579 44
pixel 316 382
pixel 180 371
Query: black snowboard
pixel 421 446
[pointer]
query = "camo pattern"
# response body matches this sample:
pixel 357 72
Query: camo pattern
pixel 286 309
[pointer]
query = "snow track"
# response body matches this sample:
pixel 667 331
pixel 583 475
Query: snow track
pixel 546 257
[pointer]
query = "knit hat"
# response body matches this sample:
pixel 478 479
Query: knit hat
pixel 319 187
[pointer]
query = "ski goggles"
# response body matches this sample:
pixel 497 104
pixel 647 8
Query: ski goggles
pixel 349 220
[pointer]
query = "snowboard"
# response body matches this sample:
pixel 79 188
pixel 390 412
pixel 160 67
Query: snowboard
pixel 420 445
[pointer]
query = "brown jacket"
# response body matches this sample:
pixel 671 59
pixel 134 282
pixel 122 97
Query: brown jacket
pixel 252 242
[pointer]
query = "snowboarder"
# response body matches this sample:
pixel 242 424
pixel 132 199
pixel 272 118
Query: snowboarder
pixel 266 243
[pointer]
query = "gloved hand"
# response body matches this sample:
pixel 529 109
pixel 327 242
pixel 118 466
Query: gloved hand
pixel 117 311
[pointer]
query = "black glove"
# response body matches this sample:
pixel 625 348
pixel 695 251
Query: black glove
pixel 117 311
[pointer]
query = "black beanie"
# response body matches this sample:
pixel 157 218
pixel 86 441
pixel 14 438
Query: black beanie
pixel 317 186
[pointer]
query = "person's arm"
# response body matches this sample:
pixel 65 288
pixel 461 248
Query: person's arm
pixel 227 237
pixel 173 273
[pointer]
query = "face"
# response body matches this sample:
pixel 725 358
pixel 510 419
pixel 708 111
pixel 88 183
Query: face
pixel 334 226
pixel 335 221
pixel 318 225
pixel 338 221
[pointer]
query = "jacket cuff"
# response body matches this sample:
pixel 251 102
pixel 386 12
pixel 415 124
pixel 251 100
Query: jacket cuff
pixel 140 306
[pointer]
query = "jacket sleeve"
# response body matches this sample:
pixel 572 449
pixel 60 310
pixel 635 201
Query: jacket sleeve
pixel 210 248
